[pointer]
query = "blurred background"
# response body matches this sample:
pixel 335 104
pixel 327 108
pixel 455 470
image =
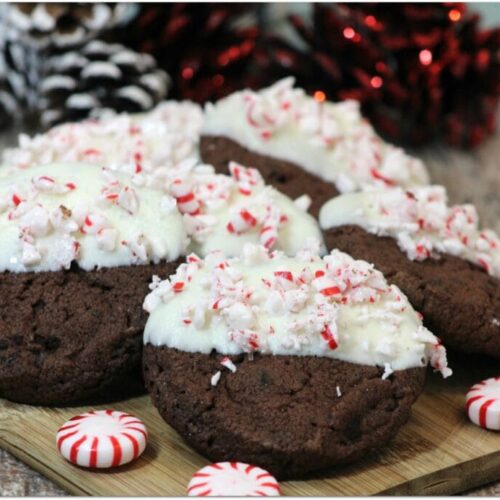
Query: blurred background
pixel 424 73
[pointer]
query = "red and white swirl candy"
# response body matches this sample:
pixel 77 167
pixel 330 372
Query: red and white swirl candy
pixel 483 404
pixel 102 439
pixel 234 479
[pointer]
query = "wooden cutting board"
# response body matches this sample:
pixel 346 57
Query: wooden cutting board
pixel 437 452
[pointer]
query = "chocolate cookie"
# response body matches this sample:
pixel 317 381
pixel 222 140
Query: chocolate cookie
pixel 460 302
pixel 70 335
pixel 285 176
pixel 303 145
pixel 288 414
pixel 79 247
pixel 293 364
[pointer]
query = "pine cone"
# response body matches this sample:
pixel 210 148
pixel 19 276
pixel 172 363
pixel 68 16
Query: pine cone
pixel 31 33
pixel 96 79
pixel 62 25
pixel 421 72
pixel 208 49
pixel 7 100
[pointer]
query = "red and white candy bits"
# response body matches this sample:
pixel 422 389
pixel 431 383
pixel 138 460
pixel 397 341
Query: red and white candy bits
pixel 102 439
pixel 233 479
pixel 483 404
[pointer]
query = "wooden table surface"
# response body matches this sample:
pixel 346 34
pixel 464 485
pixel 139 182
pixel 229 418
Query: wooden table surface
pixel 471 177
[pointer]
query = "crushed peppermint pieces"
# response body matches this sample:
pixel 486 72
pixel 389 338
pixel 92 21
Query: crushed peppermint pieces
pixel 214 380
pixel 138 146
pixel 388 371
pixel 54 217
pixel 424 225
pixel 293 306
pixel 227 363
pixel 338 130
pixel 158 150
pixel 202 194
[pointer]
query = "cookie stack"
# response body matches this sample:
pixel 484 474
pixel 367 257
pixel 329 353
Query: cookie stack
pixel 270 338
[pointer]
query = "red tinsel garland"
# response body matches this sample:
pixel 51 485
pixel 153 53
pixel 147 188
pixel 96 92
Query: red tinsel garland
pixel 420 71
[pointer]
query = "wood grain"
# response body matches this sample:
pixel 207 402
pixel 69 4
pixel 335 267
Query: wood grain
pixel 437 452
pixel 469 177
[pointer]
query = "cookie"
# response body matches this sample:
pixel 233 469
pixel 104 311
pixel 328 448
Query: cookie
pixel 292 137
pixel 293 364
pixel 71 335
pixel 280 412
pixel 226 212
pixel 447 267
pixel 159 150
pixel 285 176
pixel 79 247
pixel 131 144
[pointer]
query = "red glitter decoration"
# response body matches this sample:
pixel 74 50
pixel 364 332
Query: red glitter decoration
pixel 422 72
pixel 206 48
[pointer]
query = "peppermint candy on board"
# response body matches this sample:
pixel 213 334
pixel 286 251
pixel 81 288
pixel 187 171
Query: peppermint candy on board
pixel 483 404
pixel 234 479
pixel 102 439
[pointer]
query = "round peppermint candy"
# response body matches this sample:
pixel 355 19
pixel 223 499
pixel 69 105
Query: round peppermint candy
pixel 102 439
pixel 483 404
pixel 232 479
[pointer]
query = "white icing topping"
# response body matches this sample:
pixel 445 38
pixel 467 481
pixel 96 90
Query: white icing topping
pixel 158 150
pixel 51 216
pixel 162 137
pixel 421 222
pixel 330 140
pixel 225 212
pixel 307 305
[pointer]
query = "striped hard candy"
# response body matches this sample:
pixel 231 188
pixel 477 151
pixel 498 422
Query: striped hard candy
pixel 102 439
pixel 483 404
pixel 232 479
